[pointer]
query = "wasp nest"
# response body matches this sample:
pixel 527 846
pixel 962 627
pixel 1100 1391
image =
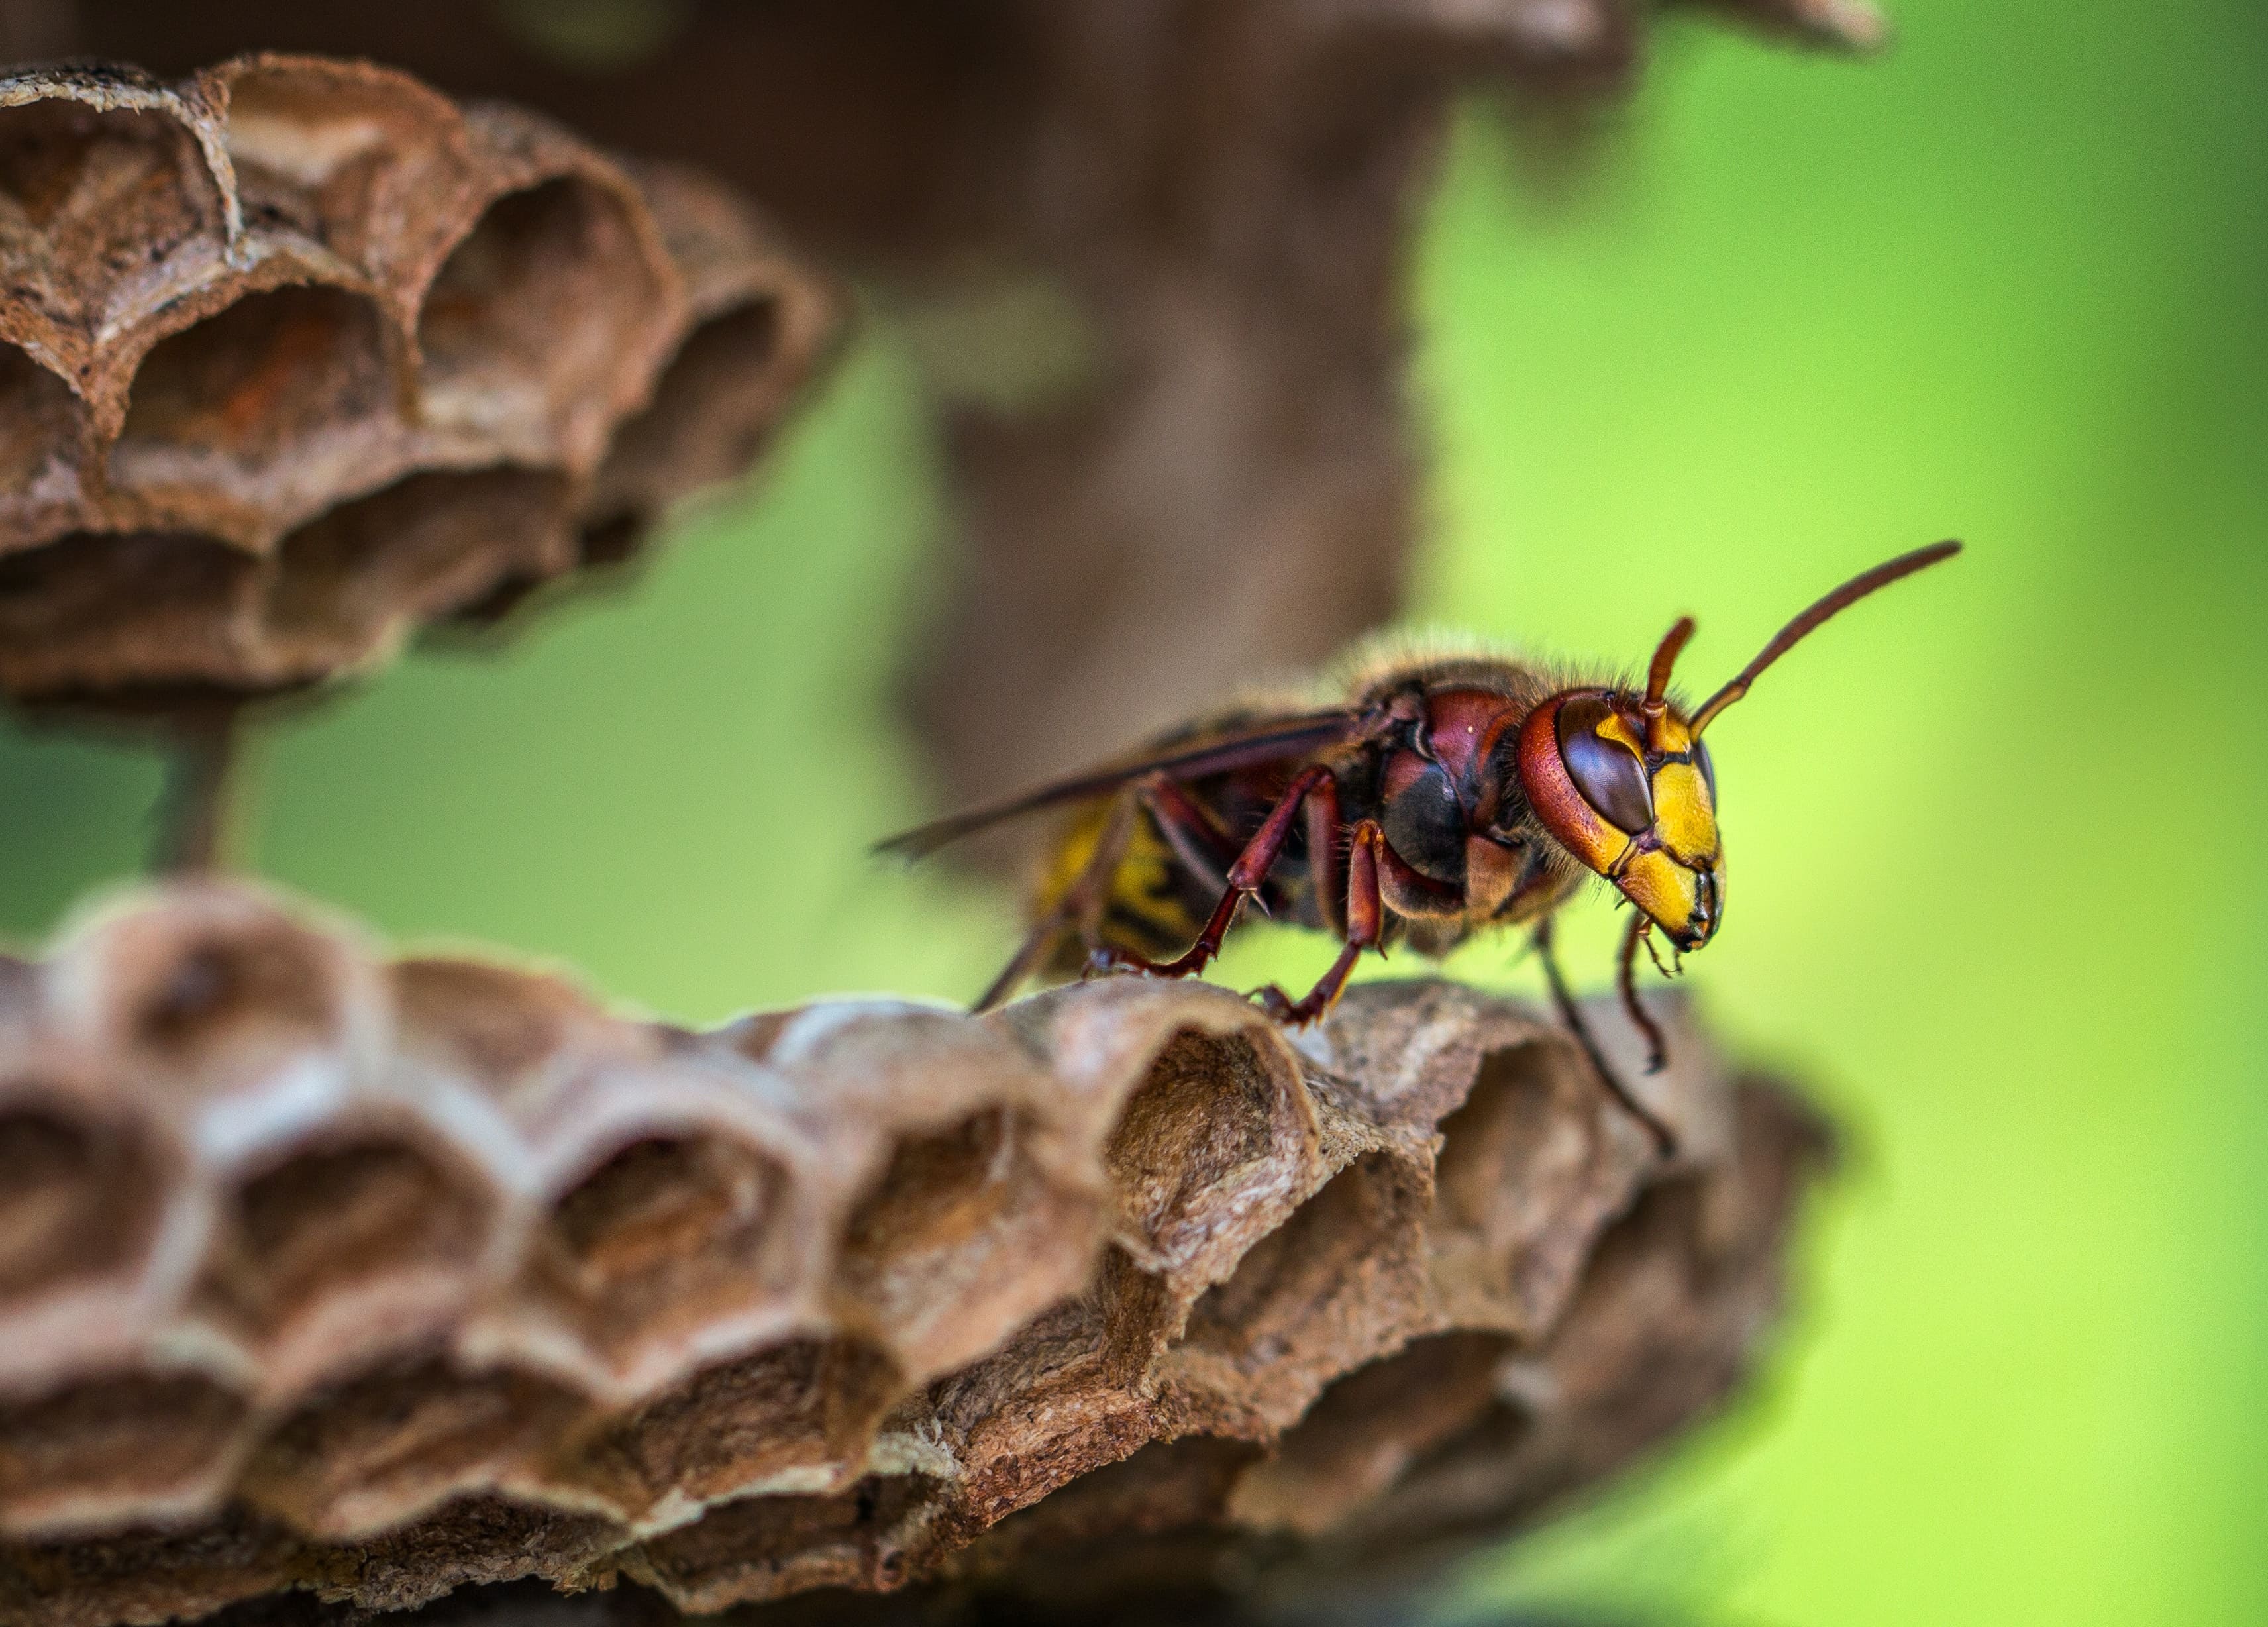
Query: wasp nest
pixel 376 1278
pixel 1155 251
pixel 297 356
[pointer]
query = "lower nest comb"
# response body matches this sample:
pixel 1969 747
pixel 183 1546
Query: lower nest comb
pixel 319 1271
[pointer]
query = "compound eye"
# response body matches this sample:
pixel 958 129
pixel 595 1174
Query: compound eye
pixel 1708 771
pixel 1608 773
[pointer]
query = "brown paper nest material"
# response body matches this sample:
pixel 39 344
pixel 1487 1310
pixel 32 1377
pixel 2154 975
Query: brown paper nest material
pixel 1154 253
pixel 376 1278
pixel 296 356
pixel 1227 191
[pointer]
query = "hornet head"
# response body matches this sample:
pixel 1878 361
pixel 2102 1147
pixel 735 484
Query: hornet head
pixel 1622 782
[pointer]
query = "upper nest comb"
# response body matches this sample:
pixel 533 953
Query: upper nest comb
pixel 319 1271
pixel 296 357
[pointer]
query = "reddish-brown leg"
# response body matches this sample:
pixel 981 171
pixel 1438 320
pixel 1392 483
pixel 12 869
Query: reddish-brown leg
pixel 1082 902
pixel 1414 881
pixel 1199 842
pixel 1196 836
pixel 1627 982
pixel 1365 922
pixel 1663 1140
pixel 1324 835
pixel 1246 877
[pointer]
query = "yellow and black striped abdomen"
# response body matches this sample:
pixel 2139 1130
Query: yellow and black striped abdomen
pixel 1149 902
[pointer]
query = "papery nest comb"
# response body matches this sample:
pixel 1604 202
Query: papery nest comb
pixel 373 1277
pixel 297 356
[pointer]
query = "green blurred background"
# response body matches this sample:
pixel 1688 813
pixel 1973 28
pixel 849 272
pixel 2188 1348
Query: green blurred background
pixel 2005 284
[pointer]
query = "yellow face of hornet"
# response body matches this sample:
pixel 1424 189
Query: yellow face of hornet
pixel 1622 782
pixel 1635 798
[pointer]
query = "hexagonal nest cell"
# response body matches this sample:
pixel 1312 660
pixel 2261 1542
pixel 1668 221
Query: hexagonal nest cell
pixel 356 1241
pixel 667 1235
pixel 939 1253
pixel 78 1200
pixel 251 325
pixel 436 1272
pixel 113 1449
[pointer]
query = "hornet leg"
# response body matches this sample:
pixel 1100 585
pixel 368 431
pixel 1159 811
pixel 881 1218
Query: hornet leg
pixel 1626 980
pixel 1324 837
pixel 1205 849
pixel 1663 1140
pixel 1366 921
pixel 1081 903
pixel 1246 877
